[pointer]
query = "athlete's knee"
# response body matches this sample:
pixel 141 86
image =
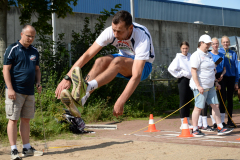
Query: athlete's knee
pixel 118 61
pixel 99 60
pixel 102 61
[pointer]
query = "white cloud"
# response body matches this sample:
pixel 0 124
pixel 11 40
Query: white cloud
pixel 193 1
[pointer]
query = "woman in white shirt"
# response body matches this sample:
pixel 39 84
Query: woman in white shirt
pixel 202 83
pixel 180 68
pixel 221 70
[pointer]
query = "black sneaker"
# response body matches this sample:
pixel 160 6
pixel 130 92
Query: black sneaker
pixel 231 125
pixel 198 133
pixel 31 152
pixel 215 127
pixel 224 125
pixel 14 155
pixel 224 131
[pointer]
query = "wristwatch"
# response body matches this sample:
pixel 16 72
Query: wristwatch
pixel 67 78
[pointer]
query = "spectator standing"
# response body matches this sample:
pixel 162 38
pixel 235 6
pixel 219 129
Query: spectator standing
pixel 230 80
pixel 202 84
pixel 220 71
pixel 20 70
pixel 180 68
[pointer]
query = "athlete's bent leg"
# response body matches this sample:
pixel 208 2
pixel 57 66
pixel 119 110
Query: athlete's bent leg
pixel 100 65
pixel 120 65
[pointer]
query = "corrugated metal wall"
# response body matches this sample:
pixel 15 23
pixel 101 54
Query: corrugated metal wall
pixel 96 6
pixel 184 12
pixel 166 10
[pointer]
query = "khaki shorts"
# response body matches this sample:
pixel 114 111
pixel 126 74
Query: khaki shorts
pixel 23 106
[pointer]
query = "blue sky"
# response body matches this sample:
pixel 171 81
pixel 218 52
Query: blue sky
pixel 233 4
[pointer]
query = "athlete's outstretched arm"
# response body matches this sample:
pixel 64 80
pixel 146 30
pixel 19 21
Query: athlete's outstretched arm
pixel 137 69
pixel 88 55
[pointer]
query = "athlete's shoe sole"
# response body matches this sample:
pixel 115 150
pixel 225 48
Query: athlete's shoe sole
pixel 79 86
pixel 70 103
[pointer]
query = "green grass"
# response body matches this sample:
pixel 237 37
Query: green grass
pixel 236 104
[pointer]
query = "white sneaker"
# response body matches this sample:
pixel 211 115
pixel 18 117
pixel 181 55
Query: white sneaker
pixel 14 155
pixel 31 152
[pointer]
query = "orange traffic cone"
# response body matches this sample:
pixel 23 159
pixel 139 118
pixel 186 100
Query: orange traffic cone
pixel 151 127
pixel 185 129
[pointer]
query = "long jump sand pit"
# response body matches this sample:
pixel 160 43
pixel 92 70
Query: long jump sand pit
pixel 113 144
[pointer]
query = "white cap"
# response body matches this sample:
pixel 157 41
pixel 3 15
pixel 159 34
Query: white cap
pixel 205 38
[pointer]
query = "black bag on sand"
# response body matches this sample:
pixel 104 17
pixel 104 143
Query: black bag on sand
pixel 77 124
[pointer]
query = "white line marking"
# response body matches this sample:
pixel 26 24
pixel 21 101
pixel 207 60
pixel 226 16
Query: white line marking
pixel 142 135
pixel 205 138
pixel 171 131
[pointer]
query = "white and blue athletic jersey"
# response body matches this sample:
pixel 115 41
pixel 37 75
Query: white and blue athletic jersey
pixel 139 44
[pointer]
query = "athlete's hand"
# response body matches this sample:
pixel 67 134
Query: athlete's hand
pixel 118 109
pixel 64 84
pixel 11 94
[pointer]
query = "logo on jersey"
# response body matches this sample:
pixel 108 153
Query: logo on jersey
pixel 124 46
pixel 33 58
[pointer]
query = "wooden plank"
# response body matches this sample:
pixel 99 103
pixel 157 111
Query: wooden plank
pixel 101 126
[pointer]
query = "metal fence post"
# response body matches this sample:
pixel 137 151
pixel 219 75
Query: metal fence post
pixel 70 55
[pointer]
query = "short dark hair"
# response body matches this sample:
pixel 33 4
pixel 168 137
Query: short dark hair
pixel 199 44
pixel 26 26
pixel 122 16
pixel 184 43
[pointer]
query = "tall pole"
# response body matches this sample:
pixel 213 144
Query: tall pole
pixel 54 31
pixel 222 17
pixel 132 10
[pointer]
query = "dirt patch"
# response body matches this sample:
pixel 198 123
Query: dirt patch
pixel 113 144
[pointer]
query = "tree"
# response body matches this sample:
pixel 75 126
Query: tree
pixel 3 26
pixel 42 9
